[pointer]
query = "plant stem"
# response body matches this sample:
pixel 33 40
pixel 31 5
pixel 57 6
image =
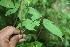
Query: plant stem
pixel 20 13
pixel 20 9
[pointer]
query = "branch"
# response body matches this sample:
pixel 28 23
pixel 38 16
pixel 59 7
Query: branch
pixel 20 9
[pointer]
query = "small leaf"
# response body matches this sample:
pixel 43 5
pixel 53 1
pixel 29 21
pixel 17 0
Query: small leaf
pixel 34 1
pixel 27 1
pixel 37 23
pixel 11 11
pixel 29 24
pixel 7 4
pixel 37 44
pixel 35 13
pixel 17 5
pixel 28 37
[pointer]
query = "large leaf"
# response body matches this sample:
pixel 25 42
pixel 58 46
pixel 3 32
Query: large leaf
pixel 52 28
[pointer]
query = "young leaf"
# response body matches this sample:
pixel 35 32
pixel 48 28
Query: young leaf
pixel 52 28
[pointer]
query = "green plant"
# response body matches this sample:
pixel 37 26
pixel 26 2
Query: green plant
pixel 38 18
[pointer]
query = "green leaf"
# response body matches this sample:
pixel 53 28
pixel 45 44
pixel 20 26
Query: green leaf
pixel 37 44
pixel 37 23
pixel 34 1
pixel 44 1
pixel 17 5
pixel 52 28
pixel 7 4
pixel 3 0
pixel 29 24
pixel 29 45
pixel 34 36
pixel 27 1
pixel 28 37
pixel 11 11
pixel 35 13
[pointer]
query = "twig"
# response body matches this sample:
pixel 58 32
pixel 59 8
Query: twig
pixel 15 22
pixel 38 34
